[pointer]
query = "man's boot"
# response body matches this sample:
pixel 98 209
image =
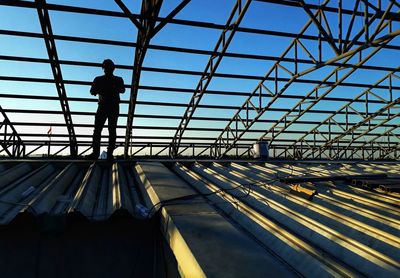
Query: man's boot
pixel 92 156
pixel 95 145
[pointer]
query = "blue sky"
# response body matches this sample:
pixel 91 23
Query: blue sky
pixel 260 15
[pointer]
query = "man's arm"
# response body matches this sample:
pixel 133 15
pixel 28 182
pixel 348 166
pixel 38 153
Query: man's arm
pixel 94 90
pixel 121 86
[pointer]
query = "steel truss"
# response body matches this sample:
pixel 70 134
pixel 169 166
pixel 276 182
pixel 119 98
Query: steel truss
pixel 367 120
pixel 160 148
pixel 234 19
pixel 345 133
pixel 231 134
pixel 10 138
pixel 47 31
pixel 147 30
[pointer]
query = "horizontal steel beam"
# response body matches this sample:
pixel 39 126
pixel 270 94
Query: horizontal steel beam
pixel 148 127
pixel 177 117
pixel 250 141
pixel 391 15
pixel 149 103
pixel 300 81
pixel 186 50
pixel 181 90
pixel 192 23
pixel 61 143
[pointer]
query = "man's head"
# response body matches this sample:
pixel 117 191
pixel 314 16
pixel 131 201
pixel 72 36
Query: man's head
pixel 108 66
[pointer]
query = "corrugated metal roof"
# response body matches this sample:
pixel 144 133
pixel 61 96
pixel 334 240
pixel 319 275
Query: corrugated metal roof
pixel 96 190
pixel 345 230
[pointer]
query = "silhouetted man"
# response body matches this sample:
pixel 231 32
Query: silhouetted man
pixel 108 87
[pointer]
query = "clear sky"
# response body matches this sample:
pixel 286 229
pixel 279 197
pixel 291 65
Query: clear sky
pixel 260 15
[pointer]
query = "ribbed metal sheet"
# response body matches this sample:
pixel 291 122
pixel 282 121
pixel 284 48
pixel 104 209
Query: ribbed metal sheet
pixel 345 230
pixel 96 190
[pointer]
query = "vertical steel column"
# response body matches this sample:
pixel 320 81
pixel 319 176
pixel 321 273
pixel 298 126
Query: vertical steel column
pixel 146 30
pixel 45 24
pixel 149 12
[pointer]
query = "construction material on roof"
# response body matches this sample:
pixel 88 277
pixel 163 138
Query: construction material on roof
pixel 395 187
pixel 302 191
pixel 388 184
pixel 332 178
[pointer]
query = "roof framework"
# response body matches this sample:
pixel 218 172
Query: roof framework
pixel 311 123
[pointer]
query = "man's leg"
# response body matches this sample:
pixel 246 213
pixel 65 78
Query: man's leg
pixel 112 132
pixel 99 121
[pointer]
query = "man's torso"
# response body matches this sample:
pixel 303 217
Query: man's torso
pixel 107 87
